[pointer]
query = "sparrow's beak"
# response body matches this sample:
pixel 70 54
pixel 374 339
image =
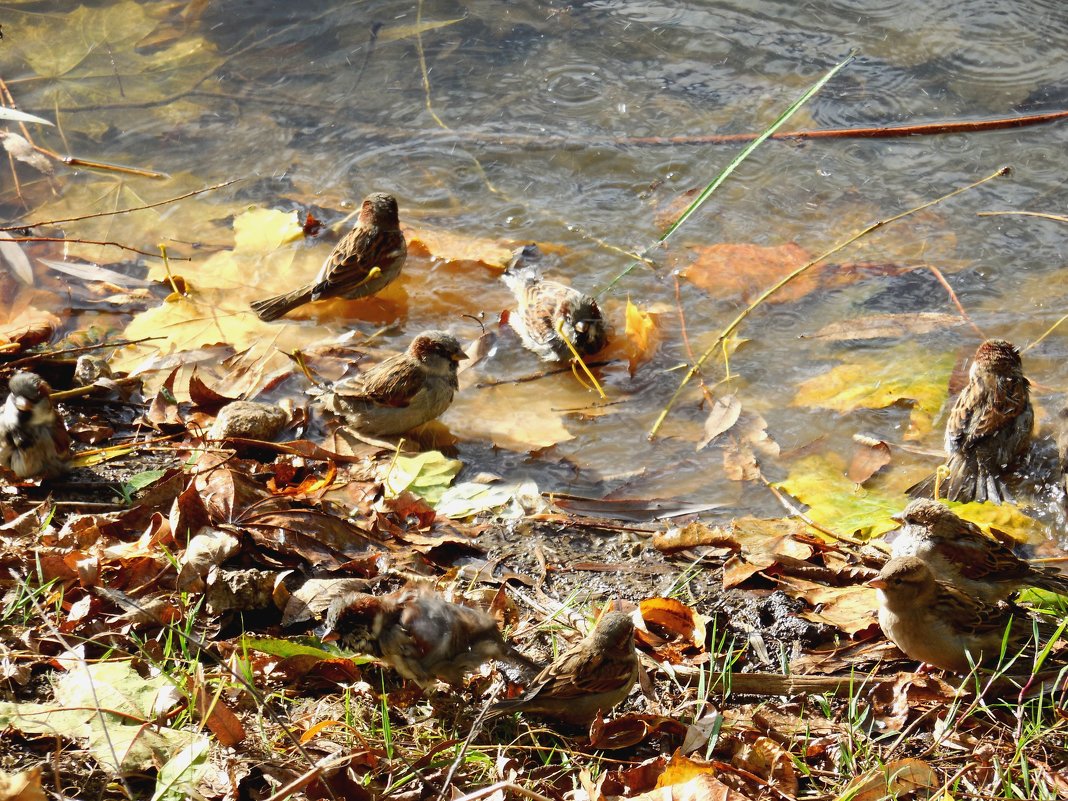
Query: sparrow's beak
pixel 581 326
pixel 459 357
pixel 329 636
pixel 877 584
pixel 898 518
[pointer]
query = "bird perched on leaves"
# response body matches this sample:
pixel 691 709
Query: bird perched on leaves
pixel 547 312
pixel 33 438
pixel 594 675
pixel 368 258
pixel 420 634
pixel 401 392
pixel 957 551
pixel 935 622
pixel 989 427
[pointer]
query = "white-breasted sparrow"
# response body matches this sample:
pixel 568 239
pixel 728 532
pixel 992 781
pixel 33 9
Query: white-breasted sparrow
pixel 934 622
pixel 33 437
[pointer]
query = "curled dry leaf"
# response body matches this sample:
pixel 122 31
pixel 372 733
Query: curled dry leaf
pixel 676 621
pixel 898 779
pixel 208 549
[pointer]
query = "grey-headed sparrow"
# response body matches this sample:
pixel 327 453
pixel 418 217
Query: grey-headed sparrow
pixel 401 392
pixel 547 311
pixel 33 438
pixel 594 675
pixel 989 427
pixel 368 258
pixel 957 551
pixel 934 622
pixel 420 634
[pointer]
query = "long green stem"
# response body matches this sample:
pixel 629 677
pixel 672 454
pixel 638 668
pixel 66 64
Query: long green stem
pixel 767 293
pixel 733 165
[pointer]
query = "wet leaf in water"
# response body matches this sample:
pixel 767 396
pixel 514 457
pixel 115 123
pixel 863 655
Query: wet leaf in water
pixel 836 502
pixel 216 307
pixel 876 380
pixel 643 335
pixel 722 417
pixel 87 60
pixel 457 249
pixel 745 270
pixel 888 326
pixel 869 457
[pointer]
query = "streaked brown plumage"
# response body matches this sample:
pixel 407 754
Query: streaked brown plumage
pixel 368 258
pixel 401 392
pixel 989 428
pixel 594 675
pixel 934 622
pixel 957 551
pixel 545 309
pixel 420 634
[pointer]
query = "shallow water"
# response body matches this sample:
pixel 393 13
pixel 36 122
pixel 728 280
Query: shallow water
pixel 323 103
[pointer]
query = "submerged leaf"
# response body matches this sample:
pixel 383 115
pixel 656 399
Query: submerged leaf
pixel 882 378
pixel 836 502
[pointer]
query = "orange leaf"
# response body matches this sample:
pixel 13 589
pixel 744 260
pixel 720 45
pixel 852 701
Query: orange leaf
pixel 643 335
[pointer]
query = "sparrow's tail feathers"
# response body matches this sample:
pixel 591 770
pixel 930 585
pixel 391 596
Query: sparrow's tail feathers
pixel 273 308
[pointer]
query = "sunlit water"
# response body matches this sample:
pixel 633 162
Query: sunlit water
pixel 320 103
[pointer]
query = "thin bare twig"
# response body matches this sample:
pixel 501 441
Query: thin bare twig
pixel 740 318
pixel 94 242
pixel 38 224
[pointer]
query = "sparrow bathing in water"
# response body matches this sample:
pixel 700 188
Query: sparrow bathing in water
pixel 547 312
pixel 935 622
pixel 594 675
pixel 420 634
pixel 989 427
pixel 957 551
pixel 33 438
pixel 364 262
pixel 401 392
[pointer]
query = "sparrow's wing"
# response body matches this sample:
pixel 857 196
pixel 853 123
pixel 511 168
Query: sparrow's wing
pixel 982 411
pixel 353 258
pixel 393 382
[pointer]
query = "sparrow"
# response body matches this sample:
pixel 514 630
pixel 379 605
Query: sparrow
pixel 935 622
pixel 401 392
pixel 548 311
pixel 420 634
pixel 33 438
pixel 594 675
pixel 365 261
pixel 989 427
pixel 957 551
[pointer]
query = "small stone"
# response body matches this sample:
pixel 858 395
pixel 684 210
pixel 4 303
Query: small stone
pixel 248 420
pixel 90 369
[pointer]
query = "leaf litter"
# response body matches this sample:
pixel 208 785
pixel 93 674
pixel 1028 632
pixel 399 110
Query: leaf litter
pixel 169 596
